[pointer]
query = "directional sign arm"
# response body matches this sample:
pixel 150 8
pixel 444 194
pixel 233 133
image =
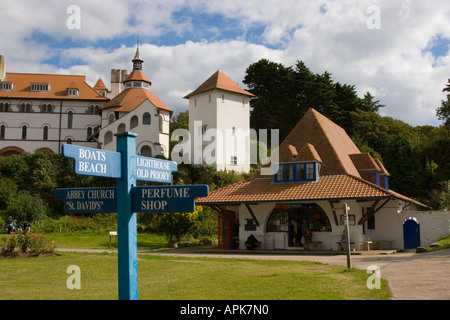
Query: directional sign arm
pixel 94 162
pixel 167 198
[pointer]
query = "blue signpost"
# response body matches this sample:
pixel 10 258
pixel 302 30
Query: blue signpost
pixel 167 198
pixel 84 200
pixel 126 199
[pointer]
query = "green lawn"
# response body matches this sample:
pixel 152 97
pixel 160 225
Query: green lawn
pixel 146 241
pixel 178 278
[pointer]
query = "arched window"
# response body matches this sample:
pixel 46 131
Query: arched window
pixel 108 137
pixel 146 151
pixel 69 140
pixel 134 122
pixel 122 128
pixel 70 120
pixel 111 118
pixel 161 123
pixel 24 132
pixel 2 131
pixel 146 118
pixel 45 133
pixel 89 132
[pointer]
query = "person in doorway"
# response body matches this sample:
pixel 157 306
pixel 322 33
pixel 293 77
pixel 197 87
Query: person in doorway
pixel 251 243
pixel 308 238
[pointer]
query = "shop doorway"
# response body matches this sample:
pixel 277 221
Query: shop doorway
pixel 301 216
pixel 228 233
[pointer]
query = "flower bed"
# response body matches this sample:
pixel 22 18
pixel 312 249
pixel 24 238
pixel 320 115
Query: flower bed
pixel 25 245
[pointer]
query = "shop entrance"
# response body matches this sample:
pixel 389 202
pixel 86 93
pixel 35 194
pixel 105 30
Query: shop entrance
pixel 227 232
pixel 302 216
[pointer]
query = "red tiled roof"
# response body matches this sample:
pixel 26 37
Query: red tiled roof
pixel 137 75
pixel 100 85
pixel 58 87
pixel 131 98
pixel 331 142
pixel 336 187
pixel 219 80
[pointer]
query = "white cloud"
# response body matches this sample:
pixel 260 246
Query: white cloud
pixel 391 62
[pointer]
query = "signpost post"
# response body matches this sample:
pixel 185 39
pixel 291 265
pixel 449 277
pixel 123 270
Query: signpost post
pixel 126 199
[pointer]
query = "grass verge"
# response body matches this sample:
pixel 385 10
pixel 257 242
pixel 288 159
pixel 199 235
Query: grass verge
pixel 180 278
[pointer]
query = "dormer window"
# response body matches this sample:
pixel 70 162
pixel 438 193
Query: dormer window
pixel 6 86
pixel 72 92
pixel 40 87
pixel 298 172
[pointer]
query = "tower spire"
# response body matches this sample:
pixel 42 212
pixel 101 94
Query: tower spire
pixel 137 61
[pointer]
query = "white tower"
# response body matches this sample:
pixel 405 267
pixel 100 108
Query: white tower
pixel 219 124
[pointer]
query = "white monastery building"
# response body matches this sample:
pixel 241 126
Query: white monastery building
pixel 45 111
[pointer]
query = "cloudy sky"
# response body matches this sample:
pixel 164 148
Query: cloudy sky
pixel 398 50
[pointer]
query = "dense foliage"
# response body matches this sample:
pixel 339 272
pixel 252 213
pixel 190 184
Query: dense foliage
pixel 418 158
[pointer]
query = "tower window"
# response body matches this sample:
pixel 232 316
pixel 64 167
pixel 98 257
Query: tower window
pixel 70 120
pixel 45 133
pixel 146 118
pixel 24 132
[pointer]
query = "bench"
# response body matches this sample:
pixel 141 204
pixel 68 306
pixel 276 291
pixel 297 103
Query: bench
pixel 112 234
pixel 340 246
pixel 383 244
pixel 365 245
pixel 317 244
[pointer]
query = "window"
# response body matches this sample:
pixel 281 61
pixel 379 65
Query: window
pixel 45 133
pixel 233 160
pixel 46 108
pixel 122 128
pixel 134 122
pixel 25 107
pixel 161 123
pixel 40 87
pixel 278 220
pixel 69 140
pixel 24 132
pixel 111 118
pixel 6 86
pixel 89 132
pixel 146 118
pixel 108 137
pixel 70 120
pixel 2 131
pixel 4 106
pixel 296 172
pixel 146 151
pixel 72 92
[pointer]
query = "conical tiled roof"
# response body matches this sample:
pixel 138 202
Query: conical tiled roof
pixel 219 80
pixel 330 141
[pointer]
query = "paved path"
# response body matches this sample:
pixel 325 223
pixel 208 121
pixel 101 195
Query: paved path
pixel 411 276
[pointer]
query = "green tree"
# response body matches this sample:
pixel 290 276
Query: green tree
pixel 27 207
pixel 443 112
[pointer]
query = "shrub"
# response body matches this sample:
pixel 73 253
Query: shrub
pixel 27 243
